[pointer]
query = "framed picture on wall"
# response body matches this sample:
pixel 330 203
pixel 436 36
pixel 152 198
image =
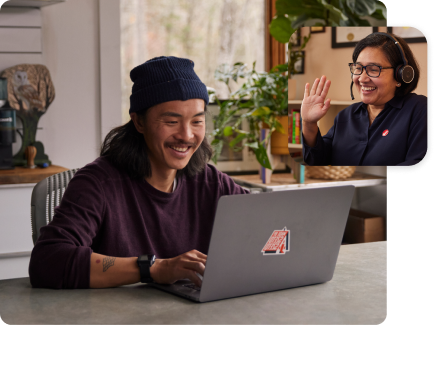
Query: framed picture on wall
pixel 295 38
pixel 299 64
pixel 409 34
pixel 343 37
pixel 317 29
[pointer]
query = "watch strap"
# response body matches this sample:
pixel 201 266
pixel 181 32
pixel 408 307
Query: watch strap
pixel 144 268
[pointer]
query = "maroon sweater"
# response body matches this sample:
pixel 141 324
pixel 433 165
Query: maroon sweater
pixel 106 212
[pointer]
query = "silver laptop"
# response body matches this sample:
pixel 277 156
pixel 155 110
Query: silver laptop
pixel 271 241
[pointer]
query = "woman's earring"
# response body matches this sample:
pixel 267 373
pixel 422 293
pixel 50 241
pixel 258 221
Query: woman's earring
pixel 398 84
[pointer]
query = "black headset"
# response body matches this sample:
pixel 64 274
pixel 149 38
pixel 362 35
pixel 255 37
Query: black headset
pixel 404 73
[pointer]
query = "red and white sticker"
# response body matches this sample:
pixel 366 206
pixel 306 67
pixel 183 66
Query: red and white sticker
pixel 278 243
pixel 385 132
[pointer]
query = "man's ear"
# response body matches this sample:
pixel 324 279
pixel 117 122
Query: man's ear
pixel 137 122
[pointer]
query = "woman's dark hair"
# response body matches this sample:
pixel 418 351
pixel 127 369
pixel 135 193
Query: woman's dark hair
pixel 392 53
pixel 128 151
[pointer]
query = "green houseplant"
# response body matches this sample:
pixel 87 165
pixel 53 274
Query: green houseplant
pixel 261 99
pixel 292 14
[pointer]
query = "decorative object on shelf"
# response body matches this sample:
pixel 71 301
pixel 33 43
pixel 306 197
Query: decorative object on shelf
pixel 30 92
pixel 329 172
pixel 30 153
pixel 278 140
pixel 264 173
pixel 343 37
pixel 262 98
pixel 3 91
pixel 317 29
pixel 7 137
pixel 409 34
pixel 298 170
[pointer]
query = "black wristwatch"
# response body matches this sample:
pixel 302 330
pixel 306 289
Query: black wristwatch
pixel 145 262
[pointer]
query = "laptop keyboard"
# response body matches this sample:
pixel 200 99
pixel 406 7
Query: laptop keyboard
pixel 192 286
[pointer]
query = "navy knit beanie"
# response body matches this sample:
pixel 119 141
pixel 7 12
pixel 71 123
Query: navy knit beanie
pixel 164 79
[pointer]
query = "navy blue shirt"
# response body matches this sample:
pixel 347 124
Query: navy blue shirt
pixel 398 136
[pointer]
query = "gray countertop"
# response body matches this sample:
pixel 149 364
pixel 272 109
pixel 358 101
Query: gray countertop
pixel 355 295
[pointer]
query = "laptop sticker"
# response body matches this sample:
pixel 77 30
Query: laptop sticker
pixel 278 243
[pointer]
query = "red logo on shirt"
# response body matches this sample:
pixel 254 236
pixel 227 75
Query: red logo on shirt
pixel 385 132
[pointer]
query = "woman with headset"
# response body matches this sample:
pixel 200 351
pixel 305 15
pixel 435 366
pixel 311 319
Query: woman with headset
pixel 387 128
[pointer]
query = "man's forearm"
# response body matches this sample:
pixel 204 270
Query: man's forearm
pixel 109 271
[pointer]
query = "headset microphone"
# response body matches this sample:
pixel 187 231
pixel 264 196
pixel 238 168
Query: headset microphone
pixel 404 73
pixel 351 89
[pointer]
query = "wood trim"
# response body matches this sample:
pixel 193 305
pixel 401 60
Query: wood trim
pixel 22 175
pixel 275 52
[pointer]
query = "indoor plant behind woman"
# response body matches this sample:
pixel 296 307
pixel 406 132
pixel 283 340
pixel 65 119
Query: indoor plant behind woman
pixel 261 100
pixel 389 126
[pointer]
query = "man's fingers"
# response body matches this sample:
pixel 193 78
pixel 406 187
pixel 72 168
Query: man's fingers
pixel 197 254
pixel 194 278
pixel 195 266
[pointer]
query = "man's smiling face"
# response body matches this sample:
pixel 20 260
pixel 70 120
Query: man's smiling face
pixel 173 132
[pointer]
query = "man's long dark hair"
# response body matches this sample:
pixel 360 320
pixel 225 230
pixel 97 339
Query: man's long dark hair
pixel 128 151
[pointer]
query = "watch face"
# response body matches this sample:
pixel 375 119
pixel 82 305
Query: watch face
pixel 145 258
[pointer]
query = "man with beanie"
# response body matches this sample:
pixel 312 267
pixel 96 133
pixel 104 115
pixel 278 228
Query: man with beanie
pixel 144 210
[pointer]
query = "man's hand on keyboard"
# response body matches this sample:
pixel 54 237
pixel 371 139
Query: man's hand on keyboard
pixel 187 265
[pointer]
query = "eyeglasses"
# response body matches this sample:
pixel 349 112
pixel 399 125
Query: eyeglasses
pixel 371 69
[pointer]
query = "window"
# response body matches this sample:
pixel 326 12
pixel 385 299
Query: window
pixel 208 32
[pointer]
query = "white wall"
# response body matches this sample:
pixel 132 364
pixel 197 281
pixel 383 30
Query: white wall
pixel 71 134
pixel 74 36
pixel 80 47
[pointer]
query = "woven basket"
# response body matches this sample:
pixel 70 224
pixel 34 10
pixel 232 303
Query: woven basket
pixel 329 172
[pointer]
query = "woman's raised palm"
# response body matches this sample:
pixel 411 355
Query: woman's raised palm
pixel 314 105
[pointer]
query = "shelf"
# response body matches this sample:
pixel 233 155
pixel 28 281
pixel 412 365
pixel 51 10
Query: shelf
pixel 295 147
pixel 23 175
pixel 285 182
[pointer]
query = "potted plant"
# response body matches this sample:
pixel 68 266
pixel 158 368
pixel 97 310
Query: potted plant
pixel 293 14
pixel 261 100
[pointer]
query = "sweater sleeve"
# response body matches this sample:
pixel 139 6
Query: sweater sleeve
pixel 61 256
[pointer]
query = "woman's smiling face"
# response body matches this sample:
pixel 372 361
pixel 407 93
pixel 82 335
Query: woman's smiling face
pixel 375 91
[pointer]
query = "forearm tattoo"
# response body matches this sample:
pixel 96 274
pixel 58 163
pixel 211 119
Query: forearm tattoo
pixel 107 262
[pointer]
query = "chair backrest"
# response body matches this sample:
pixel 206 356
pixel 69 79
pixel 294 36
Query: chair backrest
pixel 46 195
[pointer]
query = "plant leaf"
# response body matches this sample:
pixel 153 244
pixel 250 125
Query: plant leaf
pixel 237 139
pixel 261 111
pixel 261 155
pixel 280 28
pixel 228 131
